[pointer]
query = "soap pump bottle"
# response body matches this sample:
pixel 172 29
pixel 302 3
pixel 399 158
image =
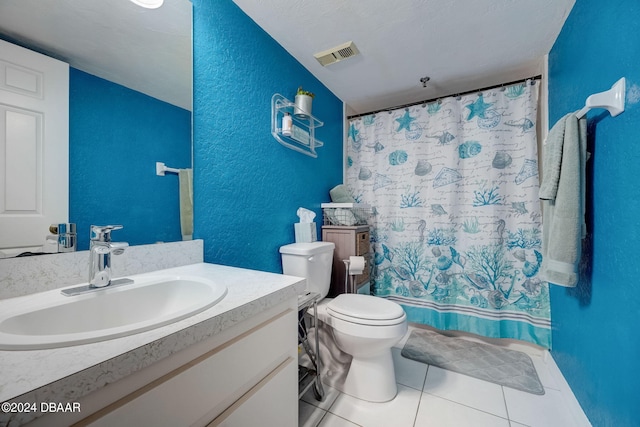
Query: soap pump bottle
pixel 286 124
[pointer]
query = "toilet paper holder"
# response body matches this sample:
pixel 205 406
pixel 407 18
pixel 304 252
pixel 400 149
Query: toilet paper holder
pixel 354 266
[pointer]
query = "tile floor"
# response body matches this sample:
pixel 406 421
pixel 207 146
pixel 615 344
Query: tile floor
pixel 430 396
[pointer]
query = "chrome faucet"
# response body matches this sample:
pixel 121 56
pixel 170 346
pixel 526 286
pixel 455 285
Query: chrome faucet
pixel 100 250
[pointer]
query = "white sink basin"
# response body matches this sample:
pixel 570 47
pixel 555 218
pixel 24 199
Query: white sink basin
pixel 148 303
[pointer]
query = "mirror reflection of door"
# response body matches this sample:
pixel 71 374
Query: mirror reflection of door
pixel 34 146
pixel 112 46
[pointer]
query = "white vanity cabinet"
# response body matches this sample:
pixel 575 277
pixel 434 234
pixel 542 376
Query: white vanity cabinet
pixel 245 377
pixel 234 364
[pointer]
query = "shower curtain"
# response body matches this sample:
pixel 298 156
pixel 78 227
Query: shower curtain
pixel 456 224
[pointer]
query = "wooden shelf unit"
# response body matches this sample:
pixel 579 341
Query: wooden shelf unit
pixel 349 241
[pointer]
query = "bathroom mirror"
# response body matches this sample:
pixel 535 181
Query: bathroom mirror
pixel 130 77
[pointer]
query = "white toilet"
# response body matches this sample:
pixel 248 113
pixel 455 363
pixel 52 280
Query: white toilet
pixel 364 326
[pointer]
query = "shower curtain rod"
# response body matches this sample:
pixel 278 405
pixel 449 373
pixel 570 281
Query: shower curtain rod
pixel 355 116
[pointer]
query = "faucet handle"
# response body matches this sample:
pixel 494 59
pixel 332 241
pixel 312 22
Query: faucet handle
pixel 102 233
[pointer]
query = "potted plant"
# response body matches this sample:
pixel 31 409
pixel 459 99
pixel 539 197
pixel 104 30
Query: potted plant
pixel 303 103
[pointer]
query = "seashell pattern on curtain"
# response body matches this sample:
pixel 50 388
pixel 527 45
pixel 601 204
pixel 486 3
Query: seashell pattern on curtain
pixel 457 225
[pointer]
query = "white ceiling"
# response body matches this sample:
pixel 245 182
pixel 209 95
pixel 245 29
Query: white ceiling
pixel 461 45
pixel 148 50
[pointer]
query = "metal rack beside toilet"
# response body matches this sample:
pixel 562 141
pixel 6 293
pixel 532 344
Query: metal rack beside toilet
pixel 308 377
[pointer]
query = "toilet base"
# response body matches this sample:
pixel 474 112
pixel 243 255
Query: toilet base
pixel 372 378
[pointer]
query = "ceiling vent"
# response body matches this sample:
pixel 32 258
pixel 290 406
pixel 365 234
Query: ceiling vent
pixel 336 54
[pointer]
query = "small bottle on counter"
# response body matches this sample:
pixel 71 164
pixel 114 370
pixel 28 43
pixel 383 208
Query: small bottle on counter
pixel 286 124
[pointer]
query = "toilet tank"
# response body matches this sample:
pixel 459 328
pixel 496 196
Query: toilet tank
pixel 313 261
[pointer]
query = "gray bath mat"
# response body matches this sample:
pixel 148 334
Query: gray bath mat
pixel 509 368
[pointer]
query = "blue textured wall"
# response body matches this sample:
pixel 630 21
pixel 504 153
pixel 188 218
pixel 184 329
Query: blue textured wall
pixel 247 186
pixel 595 326
pixel 116 136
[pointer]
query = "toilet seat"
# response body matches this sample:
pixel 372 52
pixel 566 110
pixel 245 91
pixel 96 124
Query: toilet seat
pixel 366 310
pixel 360 329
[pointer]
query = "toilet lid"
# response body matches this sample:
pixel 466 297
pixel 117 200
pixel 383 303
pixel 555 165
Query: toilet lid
pixel 365 307
pixel 307 249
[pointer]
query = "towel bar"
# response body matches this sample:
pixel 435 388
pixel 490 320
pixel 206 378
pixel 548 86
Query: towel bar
pixel 611 100
pixel 161 168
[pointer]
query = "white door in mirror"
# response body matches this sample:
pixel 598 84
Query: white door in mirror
pixel 34 146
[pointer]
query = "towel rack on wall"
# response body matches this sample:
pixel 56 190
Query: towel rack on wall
pixel 611 100
pixel 161 168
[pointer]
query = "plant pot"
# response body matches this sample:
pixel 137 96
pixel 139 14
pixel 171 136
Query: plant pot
pixel 302 106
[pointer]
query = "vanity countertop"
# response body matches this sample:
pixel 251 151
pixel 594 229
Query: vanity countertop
pixel 67 373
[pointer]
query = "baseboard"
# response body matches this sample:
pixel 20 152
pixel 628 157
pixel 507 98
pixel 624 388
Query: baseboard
pixel 570 399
